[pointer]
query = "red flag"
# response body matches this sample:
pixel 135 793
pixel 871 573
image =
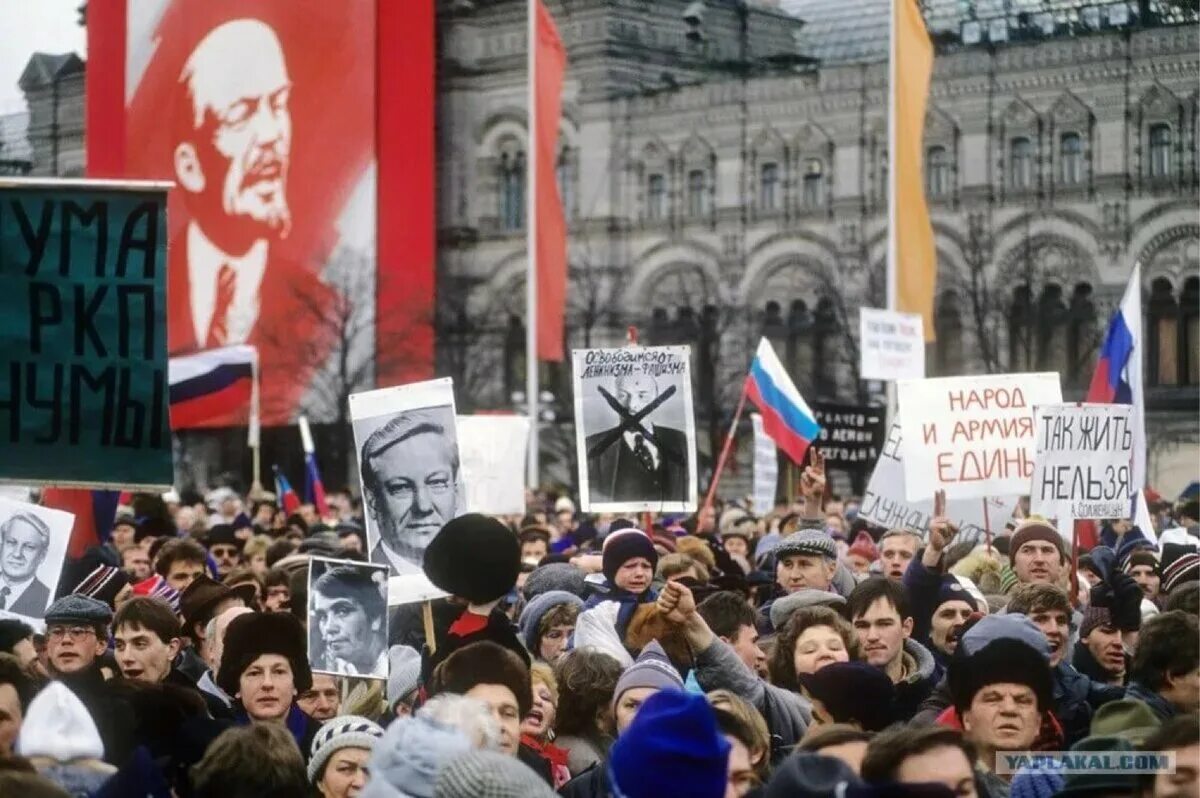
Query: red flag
pixel 551 224
pixel 94 511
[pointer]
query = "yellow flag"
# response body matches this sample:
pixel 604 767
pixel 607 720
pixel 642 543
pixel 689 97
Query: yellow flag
pixel 912 259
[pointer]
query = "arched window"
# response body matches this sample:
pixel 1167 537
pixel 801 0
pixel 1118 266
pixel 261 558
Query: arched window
pixel 814 183
pixel 656 197
pixel 1020 157
pixel 1160 151
pixel 768 187
pixel 696 190
pixel 947 321
pixel 1164 334
pixel 512 191
pixel 1021 341
pixel 1070 158
pixel 1189 329
pixel 937 172
pixel 1051 330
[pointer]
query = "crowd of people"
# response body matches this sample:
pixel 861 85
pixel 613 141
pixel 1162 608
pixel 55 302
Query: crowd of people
pixel 802 653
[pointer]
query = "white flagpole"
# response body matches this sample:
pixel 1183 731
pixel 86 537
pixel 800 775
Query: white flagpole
pixel 254 429
pixel 531 359
pixel 890 266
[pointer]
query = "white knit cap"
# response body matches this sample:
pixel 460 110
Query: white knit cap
pixel 344 731
pixel 58 726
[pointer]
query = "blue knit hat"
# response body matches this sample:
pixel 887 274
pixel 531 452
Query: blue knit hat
pixel 1036 783
pixel 673 749
pixel 1013 626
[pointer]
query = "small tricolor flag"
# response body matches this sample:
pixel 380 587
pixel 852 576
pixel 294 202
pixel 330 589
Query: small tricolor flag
pixel 214 388
pixel 287 496
pixel 787 418
pixel 314 489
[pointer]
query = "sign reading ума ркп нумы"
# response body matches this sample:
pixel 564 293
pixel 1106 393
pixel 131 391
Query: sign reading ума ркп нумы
pixel 83 348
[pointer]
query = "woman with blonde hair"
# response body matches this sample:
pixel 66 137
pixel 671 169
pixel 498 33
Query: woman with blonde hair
pixel 537 728
pixel 760 750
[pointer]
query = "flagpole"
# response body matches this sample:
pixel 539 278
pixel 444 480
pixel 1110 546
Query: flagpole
pixel 890 264
pixel 253 434
pixel 531 353
pixel 716 479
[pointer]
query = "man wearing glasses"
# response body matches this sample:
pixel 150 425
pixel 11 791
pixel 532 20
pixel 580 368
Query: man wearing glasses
pixel 76 635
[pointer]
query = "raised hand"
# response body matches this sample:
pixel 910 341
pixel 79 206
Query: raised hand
pixel 812 483
pixel 941 528
pixel 676 602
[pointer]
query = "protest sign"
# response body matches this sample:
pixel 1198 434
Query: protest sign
pixel 492 452
pixel 885 501
pixel 971 436
pixel 407 445
pixel 347 618
pixel 1083 461
pixel 635 432
pixel 34 541
pixel 892 345
pixel 766 469
pixel 851 435
pixel 83 339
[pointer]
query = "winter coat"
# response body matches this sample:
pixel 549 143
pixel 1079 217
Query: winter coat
pixel 787 714
pixel 1159 705
pixel 114 718
pixel 923 676
pixel 591 783
pixel 1076 698
pixel 923 586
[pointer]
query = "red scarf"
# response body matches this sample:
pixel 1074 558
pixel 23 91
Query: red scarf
pixel 1050 736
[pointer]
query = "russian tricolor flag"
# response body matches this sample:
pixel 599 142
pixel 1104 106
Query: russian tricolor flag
pixel 213 388
pixel 787 418
pixel 288 499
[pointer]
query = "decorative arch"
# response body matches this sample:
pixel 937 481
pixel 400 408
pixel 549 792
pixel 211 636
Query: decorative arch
pixel 664 258
pixel 1173 253
pixel 773 253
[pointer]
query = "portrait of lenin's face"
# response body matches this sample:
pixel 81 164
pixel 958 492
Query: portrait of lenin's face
pixel 233 153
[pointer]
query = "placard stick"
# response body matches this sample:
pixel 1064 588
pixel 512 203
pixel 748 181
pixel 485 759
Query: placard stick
pixel 427 620
pixel 1074 561
pixel 987 527
pixel 712 487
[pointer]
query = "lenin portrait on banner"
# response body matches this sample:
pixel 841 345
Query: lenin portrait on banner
pixel 635 468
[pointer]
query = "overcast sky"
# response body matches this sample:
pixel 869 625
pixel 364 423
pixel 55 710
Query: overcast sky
pixel 32 26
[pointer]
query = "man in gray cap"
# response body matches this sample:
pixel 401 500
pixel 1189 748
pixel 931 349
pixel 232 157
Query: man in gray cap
pixel 804 560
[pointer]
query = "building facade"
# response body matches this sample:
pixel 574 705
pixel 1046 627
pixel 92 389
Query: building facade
pixel 723 168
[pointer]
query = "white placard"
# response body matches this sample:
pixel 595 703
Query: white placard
pixel 971 436
pixel 766 469
pixel 1083 462
pixel 406 441
pixel 492 449
pixel 892 345
pixel 33 546
pixel 347 618
pixel 886 503
pixel 635 431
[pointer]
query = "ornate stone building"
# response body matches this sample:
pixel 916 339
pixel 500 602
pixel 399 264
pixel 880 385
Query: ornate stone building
pixel 723 166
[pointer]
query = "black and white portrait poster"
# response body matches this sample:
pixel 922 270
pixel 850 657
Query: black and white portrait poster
pixel 33 545
pixel 635 432
pixel 347 618
pixel 412 484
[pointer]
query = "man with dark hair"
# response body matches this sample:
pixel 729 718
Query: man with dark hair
pixel 349 612
pixel 1180 735
pixel 731 618
pixel 535 543
pixel 181 561
pixel 1166 667
pixel 260 760
pixel 879 611
pixel 928 755
pixel 16 638
pixel 278 595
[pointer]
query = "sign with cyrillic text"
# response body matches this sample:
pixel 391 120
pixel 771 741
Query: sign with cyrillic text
pixel 766 468
pixel 971 436
pixel 83 335
pixel 892 345
pixel 886 504
pixel 851 435
pixel 1083 462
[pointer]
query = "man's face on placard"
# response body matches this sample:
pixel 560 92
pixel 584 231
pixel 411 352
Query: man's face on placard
pixel 22 548
pixel 636 391
pixel 415 493
pixel 234 167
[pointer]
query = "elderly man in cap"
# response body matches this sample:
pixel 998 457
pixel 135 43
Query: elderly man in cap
pixel 806 560
pixel 76 635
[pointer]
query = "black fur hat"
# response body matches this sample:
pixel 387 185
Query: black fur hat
pixel 484 662
pixel 250 636
pixel 475 557
pixel 1004 660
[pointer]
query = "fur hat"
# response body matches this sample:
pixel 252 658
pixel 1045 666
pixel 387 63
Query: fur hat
pixel 1035 529
pixel 483 662
pixel 554 576
pixel 344 731
pixel 624 545
pixel 254 634
pixel 1004 660
pixel 853 692
pixel 475 557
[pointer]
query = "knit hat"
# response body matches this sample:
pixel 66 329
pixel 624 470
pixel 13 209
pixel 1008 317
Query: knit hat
pixel 673 749
pixel 853 692
pixel 404 673
pixel 104 582
pixel 806 773
pixel 536 609
pixel 1035 783
pixel 783 607
pixel 1094 616
pixel 1003 660
pixel 1141 557
pixel 156 587
pixel 622 546
pixel 1035 529
pixel 344 731
pixel 407 759
pixel 864 547
pixel 652 668
pixel 474 556
pixel 1126 717
pixel 554 576
pixel 484 662
pixel 812 542
pixel 79 609
pixel 1185 568
pixel 254 634
pixel 996 627
pixel 1086 782
pixel 488 774
pixel 953 590
pixel 1008 579
pixel 58 726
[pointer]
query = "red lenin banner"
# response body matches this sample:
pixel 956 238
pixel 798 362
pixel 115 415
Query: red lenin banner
pixel 551 60
pixel 299 134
